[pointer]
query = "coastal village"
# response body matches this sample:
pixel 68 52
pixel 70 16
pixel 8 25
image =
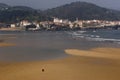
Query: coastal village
pixel 60 25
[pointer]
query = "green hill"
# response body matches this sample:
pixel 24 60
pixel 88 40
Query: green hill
pixel 84 11
pixel 23 8
pixel 17 13
pixel 3 6
pixel 80 10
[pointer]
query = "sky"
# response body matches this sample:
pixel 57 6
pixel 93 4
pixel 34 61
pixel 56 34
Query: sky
pixel 45 4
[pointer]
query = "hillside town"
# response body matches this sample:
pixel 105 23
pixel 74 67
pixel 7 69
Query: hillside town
pixel 60 24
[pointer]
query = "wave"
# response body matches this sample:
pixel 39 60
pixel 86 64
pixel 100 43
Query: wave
pixel 103 39
pixel 78 33
pixel 92 37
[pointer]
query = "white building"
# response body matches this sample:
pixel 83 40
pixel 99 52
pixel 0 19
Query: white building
pixel 12 25
pixel 56 20
pixel 25 23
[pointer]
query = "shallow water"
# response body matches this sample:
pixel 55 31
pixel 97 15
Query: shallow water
pixel 44 45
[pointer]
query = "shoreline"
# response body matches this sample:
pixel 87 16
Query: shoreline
pixel 74 67
pixel 10 29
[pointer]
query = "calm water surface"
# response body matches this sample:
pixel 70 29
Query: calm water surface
pixel 32 46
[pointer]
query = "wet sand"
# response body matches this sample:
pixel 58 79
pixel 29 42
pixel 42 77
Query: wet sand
pixel 6 44
pixel 74 67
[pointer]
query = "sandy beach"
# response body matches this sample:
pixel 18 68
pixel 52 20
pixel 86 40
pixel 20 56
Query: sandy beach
pixel 79 66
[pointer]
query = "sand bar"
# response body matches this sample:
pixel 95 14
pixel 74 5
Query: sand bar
pixel 6 44
pixel 97 53
pixel 10 29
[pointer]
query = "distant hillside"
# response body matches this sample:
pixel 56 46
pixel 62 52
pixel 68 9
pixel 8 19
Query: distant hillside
pixel 9 14
pixel 3 6
pixel 12 14
pixel 24 8
pixel 80 10
pixel 83 10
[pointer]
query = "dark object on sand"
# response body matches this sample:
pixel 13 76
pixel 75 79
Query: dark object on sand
pixel 43 70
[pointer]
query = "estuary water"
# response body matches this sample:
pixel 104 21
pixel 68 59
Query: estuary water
pixel 45 45
pixel 112 36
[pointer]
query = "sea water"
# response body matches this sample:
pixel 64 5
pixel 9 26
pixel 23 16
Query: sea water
pixel 108 36
pixel 45 45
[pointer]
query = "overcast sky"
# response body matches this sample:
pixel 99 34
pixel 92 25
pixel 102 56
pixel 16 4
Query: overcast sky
pixel 45 4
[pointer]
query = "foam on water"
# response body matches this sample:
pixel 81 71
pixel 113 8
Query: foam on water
pixel 103 36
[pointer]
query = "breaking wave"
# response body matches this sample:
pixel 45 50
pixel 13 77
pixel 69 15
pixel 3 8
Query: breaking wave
pixel 97 36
